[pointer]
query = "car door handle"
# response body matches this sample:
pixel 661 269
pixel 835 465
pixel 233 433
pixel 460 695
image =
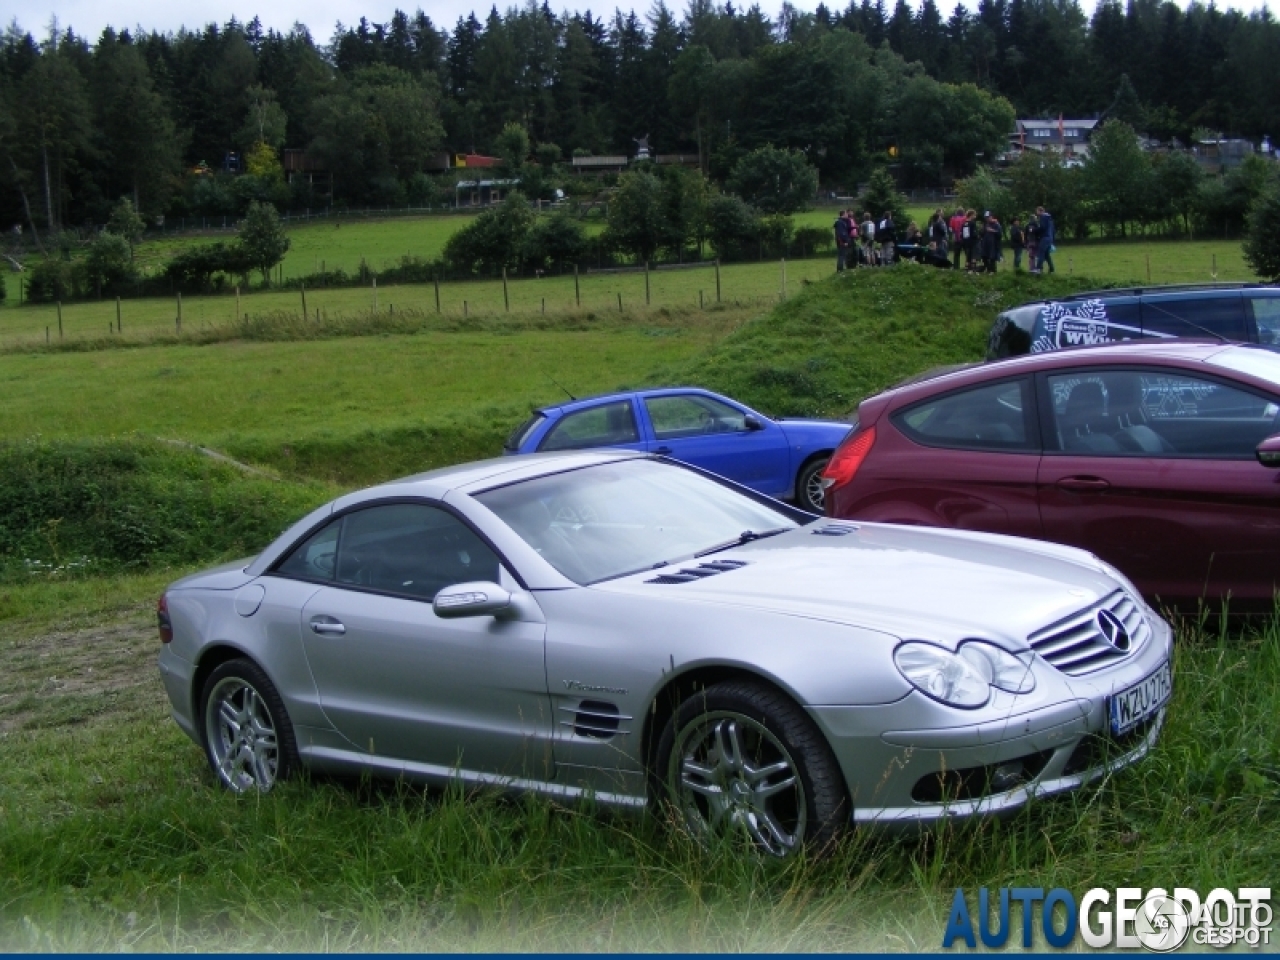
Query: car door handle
pixel 663 451
pixel 327 626
pixel 1083 484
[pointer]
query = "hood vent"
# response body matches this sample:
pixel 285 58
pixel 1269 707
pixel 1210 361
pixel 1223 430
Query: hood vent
pixel 834 530
pixel 595 720
pixel 701 571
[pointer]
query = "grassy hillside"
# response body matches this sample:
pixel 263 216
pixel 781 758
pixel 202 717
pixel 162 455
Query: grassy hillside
pixel 840 340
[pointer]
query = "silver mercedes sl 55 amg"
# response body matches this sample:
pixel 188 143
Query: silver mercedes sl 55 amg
pixel 614 625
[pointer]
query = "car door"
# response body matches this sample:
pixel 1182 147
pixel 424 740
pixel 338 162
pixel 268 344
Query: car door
pixel 1218 313
pixel 1154 470
pixel 611 424
pixel 966 458
pixel 703 430
pixel 398 681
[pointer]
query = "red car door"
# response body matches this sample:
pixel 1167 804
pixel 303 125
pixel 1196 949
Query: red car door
pixel 1155 471
pixel 966 458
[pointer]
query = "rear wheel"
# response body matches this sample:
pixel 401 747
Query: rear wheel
pixel 809 493
pixel 742 758
pixel 248 737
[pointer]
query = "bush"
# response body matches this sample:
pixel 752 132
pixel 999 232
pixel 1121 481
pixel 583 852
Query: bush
pixel 2 289
pixel 774 181
pixel 1262 235
pixel 109 263
pixel 557 241
pixel 193 269
pixel 731 226
pixel 54 279
pixel 493 240
pixel 95 506
pixel 812 239
pixel 882 194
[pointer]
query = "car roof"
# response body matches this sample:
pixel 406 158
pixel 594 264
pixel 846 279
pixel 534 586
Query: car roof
pixel 1157 289
pixel 1115 352
pixel 482 474
pixel 578 403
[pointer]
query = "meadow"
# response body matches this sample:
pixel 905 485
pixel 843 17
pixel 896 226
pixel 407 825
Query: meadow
pixel 113 835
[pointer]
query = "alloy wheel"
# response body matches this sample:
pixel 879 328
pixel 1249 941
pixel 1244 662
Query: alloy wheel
pixel 242 738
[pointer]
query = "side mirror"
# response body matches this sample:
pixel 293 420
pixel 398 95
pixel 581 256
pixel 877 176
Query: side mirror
pixel 752 422
pixel 479 598
pixel 1269 451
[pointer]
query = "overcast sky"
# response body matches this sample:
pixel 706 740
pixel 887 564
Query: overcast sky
pixel 89 17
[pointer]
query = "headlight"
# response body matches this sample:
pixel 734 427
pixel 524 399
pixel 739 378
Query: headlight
pixel 943 675
pixel 1003 670
pixel 962 679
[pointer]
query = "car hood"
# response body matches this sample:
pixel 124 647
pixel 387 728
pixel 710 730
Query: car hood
pixel 912 582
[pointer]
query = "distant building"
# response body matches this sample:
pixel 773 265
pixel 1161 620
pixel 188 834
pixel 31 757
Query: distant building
pixel 1068 137
pixel 1222 154
pixel 481 193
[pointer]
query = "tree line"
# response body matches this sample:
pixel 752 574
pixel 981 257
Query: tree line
pixel 134 114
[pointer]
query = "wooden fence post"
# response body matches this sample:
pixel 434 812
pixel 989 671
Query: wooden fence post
pixel 437 293
pixel 577 293
pixel 59 319
pixel 506 300
pixel 646 282
pixel 119 326
pixel 179 320
pixel 784 278
pixel 302 289
pixel 375 294
pixel 717 279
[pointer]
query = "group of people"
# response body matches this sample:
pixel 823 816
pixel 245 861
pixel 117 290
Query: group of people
pixel 979 240
pixel 865 240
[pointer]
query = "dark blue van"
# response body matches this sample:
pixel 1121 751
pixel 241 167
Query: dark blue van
pixel 1243 312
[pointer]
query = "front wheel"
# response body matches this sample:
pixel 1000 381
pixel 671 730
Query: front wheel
pixel 809 492
pixel 247 735
pixel 741 757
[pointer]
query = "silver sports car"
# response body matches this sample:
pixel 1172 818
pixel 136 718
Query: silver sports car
pixel 614 625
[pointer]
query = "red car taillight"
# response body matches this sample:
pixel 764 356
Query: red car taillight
pixel 844 463
pixel 162 618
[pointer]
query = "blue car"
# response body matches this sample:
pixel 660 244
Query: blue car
pixel 781 458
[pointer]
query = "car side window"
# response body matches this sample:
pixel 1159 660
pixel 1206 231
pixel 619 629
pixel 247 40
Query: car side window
pixel 1266 315
pixel 691 415
pixel 1157 413
pixel 602 426
pixel 412 550
pixel 316 557
pixel 990 417
pixel 1190 317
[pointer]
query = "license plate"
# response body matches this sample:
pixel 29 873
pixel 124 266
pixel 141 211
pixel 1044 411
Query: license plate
pixel 1131 706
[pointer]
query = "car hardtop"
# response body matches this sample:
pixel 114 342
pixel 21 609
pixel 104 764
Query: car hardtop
pixel 1185 350
pixel 583 403
pixel 1149 290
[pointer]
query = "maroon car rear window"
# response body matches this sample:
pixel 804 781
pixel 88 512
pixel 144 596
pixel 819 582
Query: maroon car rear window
pixel 993 416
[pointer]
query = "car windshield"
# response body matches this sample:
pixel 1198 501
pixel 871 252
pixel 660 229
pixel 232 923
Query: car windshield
pixel 1255 361
pixel 612 519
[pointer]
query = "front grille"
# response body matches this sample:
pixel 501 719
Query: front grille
pixel 1077 645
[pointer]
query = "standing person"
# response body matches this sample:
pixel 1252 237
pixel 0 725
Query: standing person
pixel 992 242
pixel 957 238
pixel 887 237
pixel 970 235
pixel 1017 240
pixel 869 238
pixel 938 232
pixel 1044 250
pixel 1032 234
pixel 841 227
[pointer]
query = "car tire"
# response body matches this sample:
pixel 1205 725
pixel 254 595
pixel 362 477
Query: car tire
pixel 809 494
pixel 742 757
pixel 248 738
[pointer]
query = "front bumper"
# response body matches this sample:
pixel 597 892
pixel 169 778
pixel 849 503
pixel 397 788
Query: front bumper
pixel 916 761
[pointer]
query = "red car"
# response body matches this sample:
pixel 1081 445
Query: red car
pixel 1159 457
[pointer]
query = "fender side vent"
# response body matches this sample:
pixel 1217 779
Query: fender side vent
pixel 595 719
pixel 700 572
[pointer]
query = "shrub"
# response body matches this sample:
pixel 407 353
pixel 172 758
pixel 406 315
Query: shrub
pixel 1262 235
pixel 557 241
pixel 110 262
pixel 193 269
pixel 493 240
pixel 54 279
pixel 774 181
pixel 812 239
pixel 731 226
